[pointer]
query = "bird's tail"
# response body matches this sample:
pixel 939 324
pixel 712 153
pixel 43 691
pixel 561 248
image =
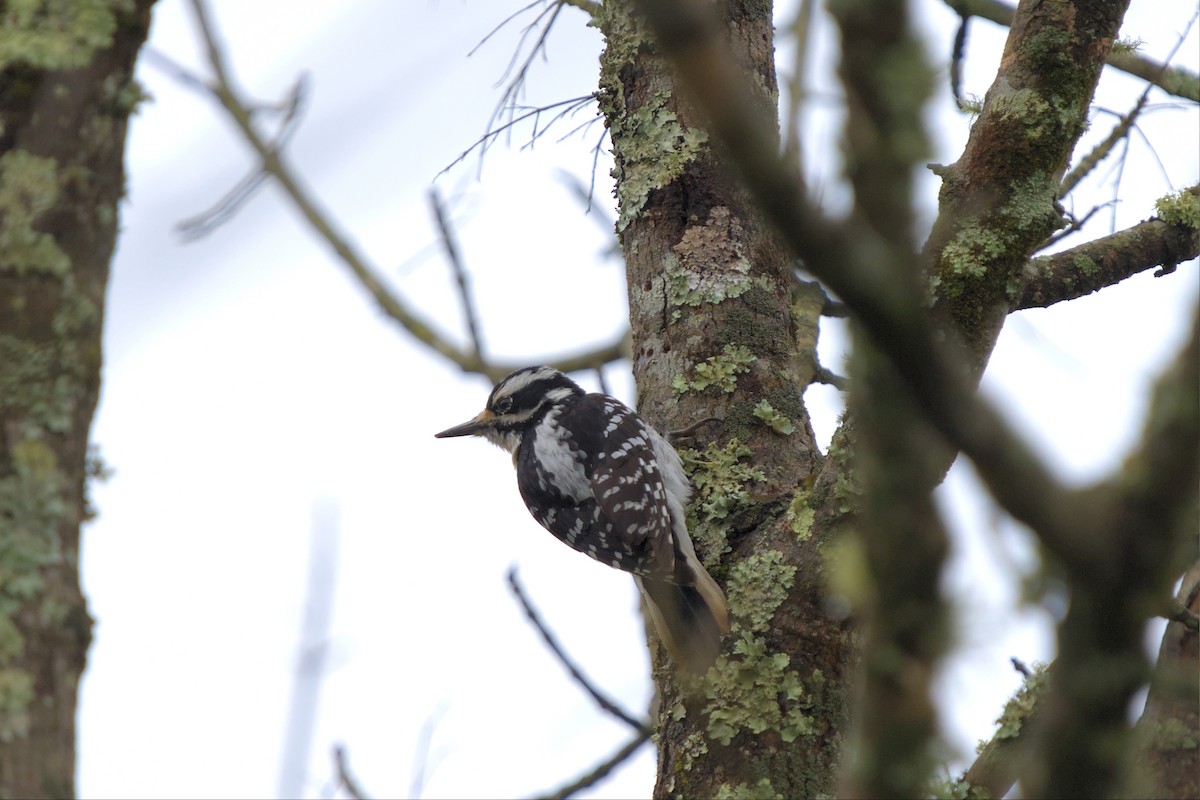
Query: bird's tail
pixel 690 619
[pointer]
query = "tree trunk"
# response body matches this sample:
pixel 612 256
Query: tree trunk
pixel 710 290
pixel 66 92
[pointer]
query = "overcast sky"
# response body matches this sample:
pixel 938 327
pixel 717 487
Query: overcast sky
pixel 250 385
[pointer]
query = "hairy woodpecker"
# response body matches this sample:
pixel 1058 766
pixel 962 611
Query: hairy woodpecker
pixel 604 482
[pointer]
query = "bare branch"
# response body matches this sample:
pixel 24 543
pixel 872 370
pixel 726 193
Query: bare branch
pixel 1101 151
pixel 551 642
pixel 345 780
pixel 797 84
pixel 1172 80
pixel 600 772
pixel 483 142
pixel 391 304
pixel 1104 262
pixel 450 244
pixel 956 59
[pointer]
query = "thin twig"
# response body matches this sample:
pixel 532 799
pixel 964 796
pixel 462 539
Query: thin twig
pixel 551 642
pixel 956 58
pixel 344 779
pixel 483 142
pixel 601 380
pixel 1122 129
pixel 392 304
pixel 1101 151
pixel 600 772
pixel 453 254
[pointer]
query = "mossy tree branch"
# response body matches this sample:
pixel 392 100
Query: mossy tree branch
pixel 1106 261
pixel 1172 80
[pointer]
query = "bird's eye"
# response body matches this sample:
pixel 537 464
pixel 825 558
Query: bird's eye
pixel 504 405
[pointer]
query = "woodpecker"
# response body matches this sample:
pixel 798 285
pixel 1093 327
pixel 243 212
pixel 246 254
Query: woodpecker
pixel 604 482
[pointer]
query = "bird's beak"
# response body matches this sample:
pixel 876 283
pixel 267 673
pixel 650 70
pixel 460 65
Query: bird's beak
pixel 482 422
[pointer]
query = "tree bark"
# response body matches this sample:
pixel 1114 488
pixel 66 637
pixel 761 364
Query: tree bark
pixel 66 92
pixel 712 326
pixel 1168 732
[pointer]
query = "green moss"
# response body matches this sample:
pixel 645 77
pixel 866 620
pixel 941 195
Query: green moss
pixel 1181 208
pixel 763 790
pixel 29 187
pixel 57 34
pixel 720 371
pixel 773 419
pixel 720 477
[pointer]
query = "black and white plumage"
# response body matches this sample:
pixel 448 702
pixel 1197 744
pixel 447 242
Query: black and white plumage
pixel 604 482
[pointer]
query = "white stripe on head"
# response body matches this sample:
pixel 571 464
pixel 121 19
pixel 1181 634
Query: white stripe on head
pixel 522 378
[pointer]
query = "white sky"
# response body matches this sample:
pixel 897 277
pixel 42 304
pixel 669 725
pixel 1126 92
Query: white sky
pixel 248 378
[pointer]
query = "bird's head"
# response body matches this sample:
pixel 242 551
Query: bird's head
pixel 516 404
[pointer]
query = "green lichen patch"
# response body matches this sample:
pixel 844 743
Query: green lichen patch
pixel 1172 734
pixel 753 690
pixel 982 243
pixel 763 790
pixel 651 149
pixel 1085 264
pixel 694 746
pixel 29 188
pixel 720 371
pixel 1018 709
pixel 16 693
pixel 710 264
pixel 844 560
pixel 773 419
pixel 720 476
pixel 800 516
pixel 758 585
pixel 1181 208
pixel 1127 46
pixel 56 34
